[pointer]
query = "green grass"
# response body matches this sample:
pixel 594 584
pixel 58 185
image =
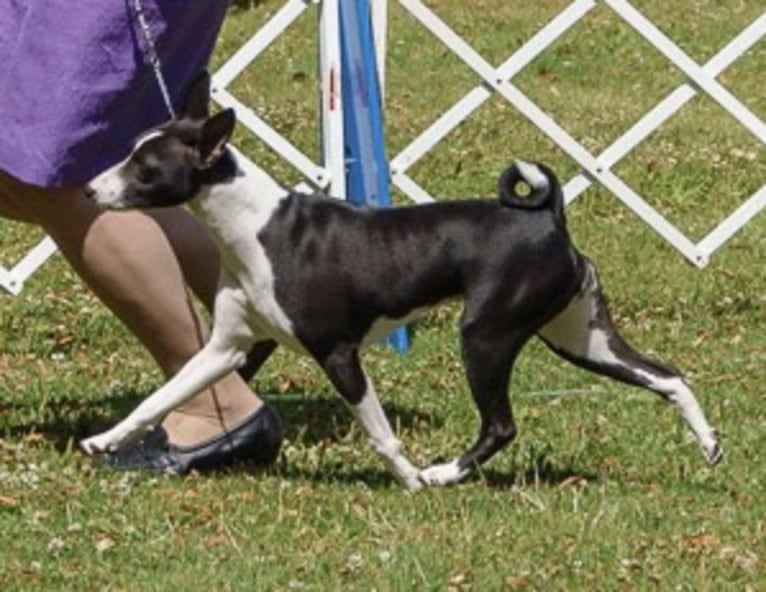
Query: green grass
pixel 603 489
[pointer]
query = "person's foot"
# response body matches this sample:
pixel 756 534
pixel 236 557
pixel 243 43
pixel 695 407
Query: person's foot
pixel 201 439
pixel 257 439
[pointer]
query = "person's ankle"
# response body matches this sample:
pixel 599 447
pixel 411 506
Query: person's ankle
pixel 188 427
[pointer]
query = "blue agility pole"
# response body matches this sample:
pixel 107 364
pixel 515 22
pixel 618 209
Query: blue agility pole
pixel 367 176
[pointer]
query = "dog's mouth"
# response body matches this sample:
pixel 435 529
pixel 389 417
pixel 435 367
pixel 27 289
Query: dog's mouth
pixel 105 200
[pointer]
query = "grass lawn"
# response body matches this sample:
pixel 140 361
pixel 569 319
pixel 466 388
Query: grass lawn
pixel 603 489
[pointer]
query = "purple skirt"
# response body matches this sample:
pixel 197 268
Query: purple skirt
pixel 76 85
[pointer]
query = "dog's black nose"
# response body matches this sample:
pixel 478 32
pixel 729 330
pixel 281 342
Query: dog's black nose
pixel 90 193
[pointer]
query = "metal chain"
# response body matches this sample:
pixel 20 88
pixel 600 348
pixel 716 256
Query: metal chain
pixel 154 58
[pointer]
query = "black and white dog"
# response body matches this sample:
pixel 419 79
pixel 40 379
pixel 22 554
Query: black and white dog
pixel 325 279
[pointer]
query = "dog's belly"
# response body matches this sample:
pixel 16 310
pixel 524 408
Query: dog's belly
pixel 266 329
pixel 379 330
pixel 383 326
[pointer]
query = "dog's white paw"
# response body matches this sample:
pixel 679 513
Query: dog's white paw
pixel 405 472
pixel 99 444
pixel 712 450
pixel 443 474
pixel 412 482
pixel 112 440
pixel 408 475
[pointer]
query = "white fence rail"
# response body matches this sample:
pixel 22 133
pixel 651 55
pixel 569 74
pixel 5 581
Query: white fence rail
pixel 13 279
pixel 596 168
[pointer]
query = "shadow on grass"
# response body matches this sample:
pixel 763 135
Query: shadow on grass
pixel 537 469
pixel 531 476
pixel 311 419
pixel 68 416
pixel 306 418
pixel 538 473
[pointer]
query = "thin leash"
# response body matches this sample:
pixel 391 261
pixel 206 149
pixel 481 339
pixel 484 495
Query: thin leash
pixel 154 58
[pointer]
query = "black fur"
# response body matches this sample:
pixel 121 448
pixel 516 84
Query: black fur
pixel 359 265
pixel 339 268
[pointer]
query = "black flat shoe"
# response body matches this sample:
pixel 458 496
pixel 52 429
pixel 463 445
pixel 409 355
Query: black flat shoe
pixel 257 439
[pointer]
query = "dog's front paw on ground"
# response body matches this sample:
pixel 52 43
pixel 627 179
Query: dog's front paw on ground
pixel 95 445
pixel 443 474
pixel 412 482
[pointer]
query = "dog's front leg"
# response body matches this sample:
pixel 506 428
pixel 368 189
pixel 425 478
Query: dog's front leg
pixel 346 373
pixel 225 351
pixel 210 364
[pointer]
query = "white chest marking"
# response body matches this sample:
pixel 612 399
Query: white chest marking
pixel 235 212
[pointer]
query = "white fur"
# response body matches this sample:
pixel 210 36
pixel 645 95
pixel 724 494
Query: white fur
pixel 110 185
pixel 571 331
pixel 250 199
pixel 246 310
pixel 370 414
pixel 443 474
pixel 683 398
pixel 532 174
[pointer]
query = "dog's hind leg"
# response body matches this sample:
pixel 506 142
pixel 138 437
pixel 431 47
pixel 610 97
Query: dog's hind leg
pixel 347 375
pixel 256 358
pixel 584 334
pixel 488 357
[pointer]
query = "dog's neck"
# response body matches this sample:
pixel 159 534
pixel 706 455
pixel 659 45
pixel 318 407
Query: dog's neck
pixel 248 194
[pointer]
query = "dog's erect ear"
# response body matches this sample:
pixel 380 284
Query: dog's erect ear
pixel 196 104
pixel 216 132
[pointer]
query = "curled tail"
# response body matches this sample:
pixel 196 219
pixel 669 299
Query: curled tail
pixel 545 190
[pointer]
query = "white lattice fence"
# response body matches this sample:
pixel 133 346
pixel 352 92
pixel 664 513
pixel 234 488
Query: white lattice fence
pixel 329 174
pixel 596 168
pixel 13 279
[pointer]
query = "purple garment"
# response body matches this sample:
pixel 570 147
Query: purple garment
pixel 76 85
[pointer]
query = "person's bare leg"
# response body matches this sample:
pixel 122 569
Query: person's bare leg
pixel 133 262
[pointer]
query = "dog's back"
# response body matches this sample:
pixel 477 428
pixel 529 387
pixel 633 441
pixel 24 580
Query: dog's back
pixel 351 266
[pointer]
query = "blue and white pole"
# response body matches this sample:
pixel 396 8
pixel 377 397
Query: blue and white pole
pixel 367 175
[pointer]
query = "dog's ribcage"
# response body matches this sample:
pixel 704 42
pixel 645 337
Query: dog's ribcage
pixel 338 278
pixel 343 274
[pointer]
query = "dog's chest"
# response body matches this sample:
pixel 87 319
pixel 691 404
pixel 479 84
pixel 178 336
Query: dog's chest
pixel 234 223
pixel 246 259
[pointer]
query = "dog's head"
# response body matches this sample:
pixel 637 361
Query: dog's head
pixel 169 165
